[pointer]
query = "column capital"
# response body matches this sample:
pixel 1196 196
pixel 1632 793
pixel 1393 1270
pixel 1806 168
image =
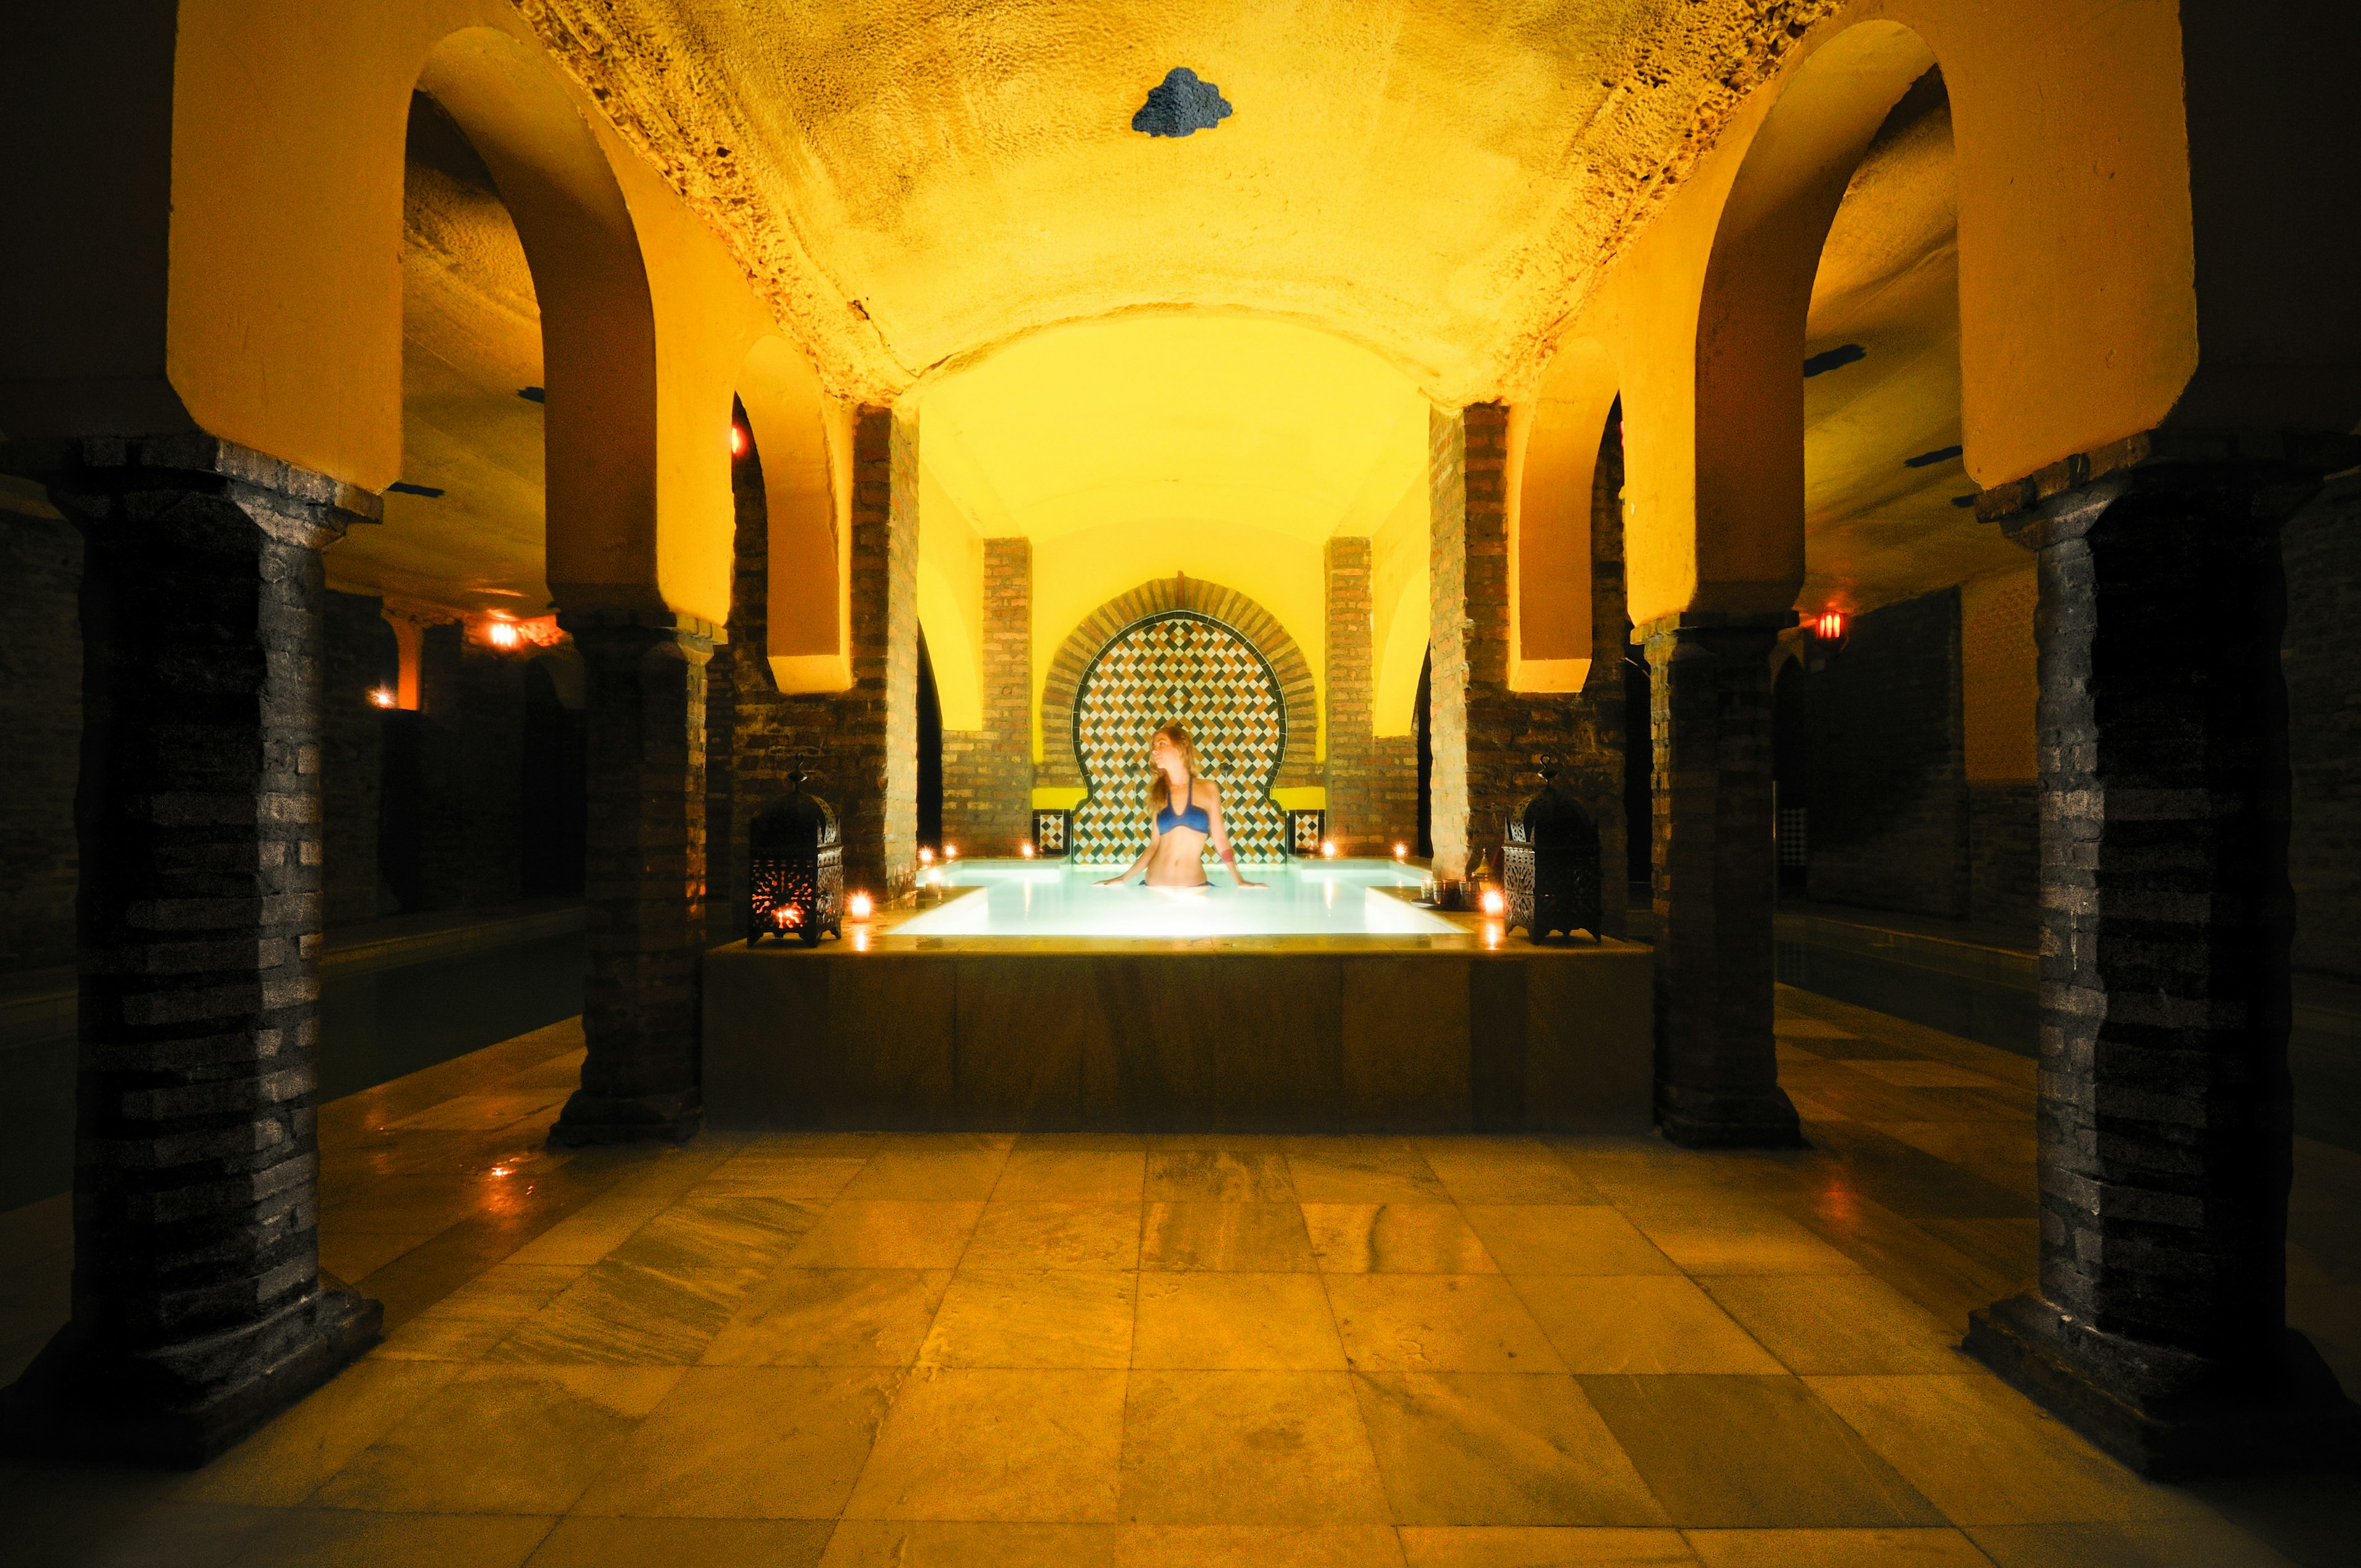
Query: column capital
pixel 2274 473
pixel 1680 620
pixel 112 479
pixel 645 627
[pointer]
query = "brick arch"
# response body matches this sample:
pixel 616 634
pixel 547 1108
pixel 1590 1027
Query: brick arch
pixel 1298 766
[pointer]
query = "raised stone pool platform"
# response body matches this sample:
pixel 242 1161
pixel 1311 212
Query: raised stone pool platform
pixel 1459 1031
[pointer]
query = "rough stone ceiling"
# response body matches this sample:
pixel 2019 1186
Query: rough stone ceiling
pixel 912 185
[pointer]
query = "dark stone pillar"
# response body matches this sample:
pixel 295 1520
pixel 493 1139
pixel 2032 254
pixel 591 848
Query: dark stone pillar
pixel 2159 1325
pixel 1716 1071
pixel 199 1308
pixel 644 880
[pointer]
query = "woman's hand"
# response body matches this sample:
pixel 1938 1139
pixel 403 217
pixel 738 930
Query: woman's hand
pixel 1117 881
pixel 1243 883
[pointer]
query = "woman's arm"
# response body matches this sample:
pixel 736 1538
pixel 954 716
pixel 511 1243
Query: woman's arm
pixel 1136 866
pixel 1221 836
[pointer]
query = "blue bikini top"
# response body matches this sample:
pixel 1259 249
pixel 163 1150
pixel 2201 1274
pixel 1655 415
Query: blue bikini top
pixel 1194 817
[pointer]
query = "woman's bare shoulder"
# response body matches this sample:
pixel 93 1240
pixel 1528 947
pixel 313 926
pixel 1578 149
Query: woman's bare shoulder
pixel 1213 791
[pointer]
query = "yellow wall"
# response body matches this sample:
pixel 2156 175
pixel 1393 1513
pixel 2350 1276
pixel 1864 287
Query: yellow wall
pixel 2067 344
pixel 950 600
pixel 1399 549
pixel 282 323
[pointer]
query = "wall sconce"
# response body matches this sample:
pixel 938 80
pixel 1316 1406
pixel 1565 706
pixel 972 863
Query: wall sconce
pixel 1825 637
pixel 1830 627
pixel 502 634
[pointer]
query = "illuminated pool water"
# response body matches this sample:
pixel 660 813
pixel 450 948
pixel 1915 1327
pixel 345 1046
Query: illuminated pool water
pixel 1335 898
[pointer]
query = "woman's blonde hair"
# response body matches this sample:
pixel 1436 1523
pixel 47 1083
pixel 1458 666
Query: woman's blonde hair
pixel 1159 788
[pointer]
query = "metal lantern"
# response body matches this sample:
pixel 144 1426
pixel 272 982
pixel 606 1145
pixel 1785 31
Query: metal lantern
pixel 795 875
pixel 1053 833
pixel 1550 864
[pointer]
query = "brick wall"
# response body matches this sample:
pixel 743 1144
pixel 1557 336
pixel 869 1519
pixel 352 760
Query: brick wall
pixel 2005 855
pixel 40 715
pixel 867 736
pixel 988 773
pixel 1889 796
pixel 1491 743
pixel 352 758
pixel 2320 653
pixel 1372 783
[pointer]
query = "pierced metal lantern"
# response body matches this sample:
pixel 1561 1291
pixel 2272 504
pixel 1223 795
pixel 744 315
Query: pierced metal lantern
pixel 1549 863
pixel 1306 831
pixel 795 879
pixel 1053 833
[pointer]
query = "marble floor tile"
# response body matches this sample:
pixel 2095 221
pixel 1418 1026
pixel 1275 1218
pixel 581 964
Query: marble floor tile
pixel 1257 1546
pixel 1735 1241
pixel 894 1234
pixel 1248 1448
pixel 1254 1237
pixel 1033 1318
pixel 1357 1172
pixel 1235 1321
pixel 501 1440
pixel 1967 1143
pixel 812 1177
pixel 1504 1170
pixel 1987 1456
pixel 358 1254
pixel 1548 1238
pixel 1640 1323
pixel 1218 1175
pixel 929 1175
pixel 619 1314
pixel 1394 1238
pixel 749 1442
pixel 579 1542
pixel 734 1230
pixel 1830 1323
pixel 1472 1448
pixel 333 1538
pixel 991 1444
pixel 157 1535
pixel 2184 1543
pixel 940 1543
pixel 1920 1547
pixel 288 1459
pixel 467 1324
pixel 1925 1075
pixel 1058 1234
pixel 832 1317
pixel 1542 1546
pixel 1751 1452
pixel 1437 1323
pixel 1102 1176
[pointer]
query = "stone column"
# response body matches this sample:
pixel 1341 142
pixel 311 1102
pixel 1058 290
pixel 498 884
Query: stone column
pixel 2158 1327
pixel 1372 782
pixel 988 773
pixel 643 880
pixel 1717 1072
pixel 1500 738
pixel 199 1308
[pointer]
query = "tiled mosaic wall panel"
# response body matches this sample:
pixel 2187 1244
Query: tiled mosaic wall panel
pixel 1206 676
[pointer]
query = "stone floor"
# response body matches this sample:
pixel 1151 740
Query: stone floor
pixel 938 1350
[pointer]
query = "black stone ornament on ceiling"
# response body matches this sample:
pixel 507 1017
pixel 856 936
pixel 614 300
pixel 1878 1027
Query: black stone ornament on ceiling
pixel 1180 104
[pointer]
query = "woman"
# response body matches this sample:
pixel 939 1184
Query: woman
pixel 1175 856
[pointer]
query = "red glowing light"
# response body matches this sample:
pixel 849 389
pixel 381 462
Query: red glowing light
pixel 788 915
pixel 737 441
pixel 502 634
pixel 1830 626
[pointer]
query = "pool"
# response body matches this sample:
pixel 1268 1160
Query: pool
pixel 1018 898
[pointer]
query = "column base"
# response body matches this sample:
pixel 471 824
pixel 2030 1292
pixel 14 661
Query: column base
pixel 2166 1413
pixel 628 1118
pixel 181 1405
pixel 1765 1121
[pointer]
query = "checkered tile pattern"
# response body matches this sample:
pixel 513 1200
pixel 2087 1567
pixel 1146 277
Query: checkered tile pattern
pixel 1205 674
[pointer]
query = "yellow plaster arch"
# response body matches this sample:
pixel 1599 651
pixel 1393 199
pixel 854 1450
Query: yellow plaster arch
pixel 805 442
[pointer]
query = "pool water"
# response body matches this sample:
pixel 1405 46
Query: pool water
pixel 1018 898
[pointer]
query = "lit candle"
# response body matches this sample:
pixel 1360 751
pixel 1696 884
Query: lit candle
pixel 1025 851
pixel 859 906
pixel 950 852
pixel 1402 851
pixel 1328 849
pixel 1493 903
